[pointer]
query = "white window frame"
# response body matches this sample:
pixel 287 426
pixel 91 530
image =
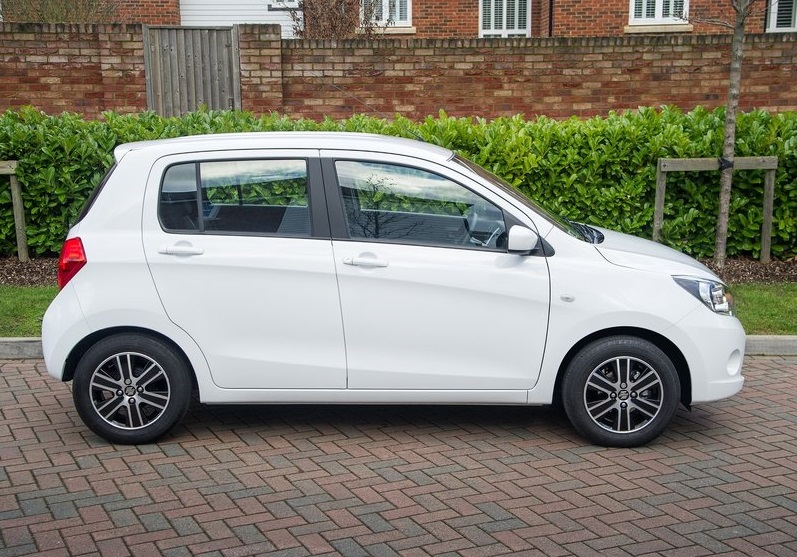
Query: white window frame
pixel 772 18
pixel 658 19
pixel 503 32
pixel 383 21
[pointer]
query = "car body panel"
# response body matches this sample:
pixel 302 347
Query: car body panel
pixel 285 319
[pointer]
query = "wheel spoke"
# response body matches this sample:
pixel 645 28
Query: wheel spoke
pixel 601 384
pixel 136 419
pixel 650 379
pixel 623 422
pixel 105 383
pixel 152 373
pixel 110 407
pixel 125 366
pixel 155 399
pixel 646 407
pixel 599 409
pixel 623 370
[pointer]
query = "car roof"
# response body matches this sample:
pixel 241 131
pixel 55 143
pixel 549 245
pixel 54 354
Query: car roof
pixel 349 141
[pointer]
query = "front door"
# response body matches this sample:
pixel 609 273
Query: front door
pixel 431 298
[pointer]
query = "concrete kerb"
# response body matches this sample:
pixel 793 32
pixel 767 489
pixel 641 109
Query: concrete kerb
pixel 30 348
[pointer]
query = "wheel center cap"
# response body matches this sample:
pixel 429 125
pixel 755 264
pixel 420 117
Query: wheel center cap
pixel 622 395
pixel 130 390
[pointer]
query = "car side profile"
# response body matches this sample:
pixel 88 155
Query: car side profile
pixel 342 268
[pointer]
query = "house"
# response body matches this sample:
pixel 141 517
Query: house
pixel 483 18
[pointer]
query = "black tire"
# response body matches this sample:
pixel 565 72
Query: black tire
pixel 621 391
pixel 131 388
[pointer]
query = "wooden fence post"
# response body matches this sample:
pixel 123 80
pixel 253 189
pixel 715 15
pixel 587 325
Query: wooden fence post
pixel 9 168
pixel 770 164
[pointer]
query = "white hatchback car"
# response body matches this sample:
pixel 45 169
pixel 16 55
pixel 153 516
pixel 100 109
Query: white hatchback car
pixel 358 269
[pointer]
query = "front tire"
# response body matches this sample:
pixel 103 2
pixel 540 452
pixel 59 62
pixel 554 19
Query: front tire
pixel 131 388
pixel 621 391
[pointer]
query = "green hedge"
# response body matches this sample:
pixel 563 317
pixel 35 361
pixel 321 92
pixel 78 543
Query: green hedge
pixel 599 171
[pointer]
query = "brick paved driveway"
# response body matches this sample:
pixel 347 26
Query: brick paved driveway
pixel 398 480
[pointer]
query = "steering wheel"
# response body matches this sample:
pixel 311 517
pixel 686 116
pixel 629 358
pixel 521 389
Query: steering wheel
pixel 493 231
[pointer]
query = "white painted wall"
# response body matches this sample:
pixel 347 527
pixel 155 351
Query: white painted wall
pixel 212 12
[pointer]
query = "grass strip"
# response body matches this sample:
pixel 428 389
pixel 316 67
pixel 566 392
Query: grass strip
pixel 764 309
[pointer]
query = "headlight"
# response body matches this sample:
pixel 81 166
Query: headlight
pixel 713 294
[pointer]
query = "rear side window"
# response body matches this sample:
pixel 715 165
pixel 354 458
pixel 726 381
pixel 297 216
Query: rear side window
pixel 94 195
pixel 241 196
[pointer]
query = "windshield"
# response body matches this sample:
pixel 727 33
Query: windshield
pixel 574 229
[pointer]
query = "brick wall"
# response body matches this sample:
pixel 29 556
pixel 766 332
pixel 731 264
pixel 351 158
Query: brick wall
pixel 90 69
pixel 556 77
pixel 445 18
pixel 80 68
pixel 261 67
pixel 150 12
pixel 610 17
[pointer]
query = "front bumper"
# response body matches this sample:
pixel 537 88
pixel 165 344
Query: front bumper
pixel 713 346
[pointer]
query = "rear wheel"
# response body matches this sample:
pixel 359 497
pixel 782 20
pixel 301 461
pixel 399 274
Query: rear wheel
pixel 621 391
pixel 131 388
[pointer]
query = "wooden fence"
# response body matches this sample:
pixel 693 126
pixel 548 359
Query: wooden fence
pixel 9 168
pixel 769 164
pixel 188 67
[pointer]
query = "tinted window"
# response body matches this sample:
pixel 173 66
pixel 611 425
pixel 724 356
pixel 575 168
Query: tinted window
pixel 402 204
pixel 94 194
pixel 243 196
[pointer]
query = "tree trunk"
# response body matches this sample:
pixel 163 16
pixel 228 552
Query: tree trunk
pixel 734 86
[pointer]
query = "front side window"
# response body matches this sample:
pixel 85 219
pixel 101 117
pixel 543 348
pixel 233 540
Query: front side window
pixel 782 16
pixel 393 13
pixel 659 12
pixel 241 196
pixel 504 18
pixel 401 204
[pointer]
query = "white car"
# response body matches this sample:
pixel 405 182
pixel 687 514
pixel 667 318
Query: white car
pixel 359 269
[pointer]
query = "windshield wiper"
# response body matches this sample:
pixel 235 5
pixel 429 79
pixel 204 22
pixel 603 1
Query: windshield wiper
pixel 588 233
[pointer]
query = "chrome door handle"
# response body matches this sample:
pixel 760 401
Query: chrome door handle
pixel 364 262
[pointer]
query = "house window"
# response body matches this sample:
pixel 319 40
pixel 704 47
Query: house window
pixel 393 13
pixel 658 12
pixel 504 18
pixel 782 16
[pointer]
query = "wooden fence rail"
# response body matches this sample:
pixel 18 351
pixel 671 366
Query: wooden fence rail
pixel 9 168
pixel 769 164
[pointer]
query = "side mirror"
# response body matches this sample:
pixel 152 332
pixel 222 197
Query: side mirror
pixel 522 240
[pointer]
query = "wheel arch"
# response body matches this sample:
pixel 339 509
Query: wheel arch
pixel 81 347
pixel 663 343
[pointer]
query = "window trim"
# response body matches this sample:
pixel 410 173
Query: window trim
pixel 772 18
pixel 316 227
pixel 504 33
pixel 658 19
pixel 398 23
pixel 339 223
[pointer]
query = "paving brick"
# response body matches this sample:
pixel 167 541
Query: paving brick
pixel 237 481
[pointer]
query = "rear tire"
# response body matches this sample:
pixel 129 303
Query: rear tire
pixel 621 391
pixel 131 388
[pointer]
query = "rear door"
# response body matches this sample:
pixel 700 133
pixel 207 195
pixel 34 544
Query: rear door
pixel 239 249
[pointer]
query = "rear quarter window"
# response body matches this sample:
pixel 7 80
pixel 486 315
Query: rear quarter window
pixel 94 195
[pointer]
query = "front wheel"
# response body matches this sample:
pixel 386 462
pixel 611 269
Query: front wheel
pixel 621 391
pixel 131 388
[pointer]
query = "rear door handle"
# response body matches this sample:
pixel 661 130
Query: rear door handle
pixel 364 262
pixel 181 249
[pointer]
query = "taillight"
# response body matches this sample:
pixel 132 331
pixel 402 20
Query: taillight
pixel 72 259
